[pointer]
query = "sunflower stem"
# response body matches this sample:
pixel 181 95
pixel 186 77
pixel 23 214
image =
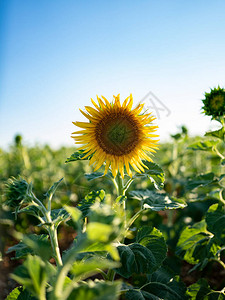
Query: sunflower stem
pixel 121 190
pixel 218 153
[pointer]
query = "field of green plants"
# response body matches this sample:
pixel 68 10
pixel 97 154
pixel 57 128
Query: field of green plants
pixel 70 233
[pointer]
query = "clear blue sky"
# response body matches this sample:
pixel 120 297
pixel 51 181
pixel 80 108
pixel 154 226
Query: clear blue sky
pixel 56 55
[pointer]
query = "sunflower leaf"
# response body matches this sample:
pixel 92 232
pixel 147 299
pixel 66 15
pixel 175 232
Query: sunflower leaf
pixel 196 243
pixel 143 256
pixel 53 188
pixel 220 133
pixel 85 204
pixel 20 293
pixel 203 146
pixel 33 244
pixel 94 175
pixel 154 172
pixel 157 201
pixel 96 290
pixel 215 219
pixel 200 180
pixel 77 155
pixel 159 288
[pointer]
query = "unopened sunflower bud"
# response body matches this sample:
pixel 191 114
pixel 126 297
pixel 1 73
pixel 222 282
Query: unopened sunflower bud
pixel 17 192
pixel 214 103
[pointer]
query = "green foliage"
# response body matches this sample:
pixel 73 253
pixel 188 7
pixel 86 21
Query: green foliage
pixel 215 219
pixel 143 256
pixel 85 204
pixel 154 173
pixel 204 146
pixel 32 244
pixel 96 290
pixel 200 180
pixel 32 275
pixel 201 290
pixel 159 287
pixel 220 133
pixel 94 175
pixel 157 201
pixel 77 155
pixel 20 293
pixel 196 244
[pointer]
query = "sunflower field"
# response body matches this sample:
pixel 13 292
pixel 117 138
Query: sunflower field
pixel 119 215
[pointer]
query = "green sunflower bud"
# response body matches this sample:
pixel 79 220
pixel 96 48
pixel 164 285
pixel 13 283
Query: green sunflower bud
pixel 214 103
pixel 17 192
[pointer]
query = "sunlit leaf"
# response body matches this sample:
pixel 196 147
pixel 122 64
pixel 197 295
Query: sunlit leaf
pixel 53 188
pixel 203 146
pixel 220 133
pixel 20 293
pixel 215 219
pixel 33 244
pixel 85 204
pixel 77 155
pixel 96 290
pixel 196 243
pixel 154 172
pixel 157 201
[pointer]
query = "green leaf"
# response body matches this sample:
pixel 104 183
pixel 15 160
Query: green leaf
pixel 32 275
pixel 77 155
pixel 154 173
pixel 96 290
pixel 58 216
pixel 88 267
pixel 196 243
pixel 220 133
pixel 85 204
pixel 20 293
pixel 94 175
pixel 52 189
pixel 215 295
pixel 32 244
pixel 198 290
pixel 159 289
pixel 157 201
pixel 30 210
pixel 144 256
pixel 74 213
pixel 100 232
pixel 203 146
pixel 200 180
pixel 215 219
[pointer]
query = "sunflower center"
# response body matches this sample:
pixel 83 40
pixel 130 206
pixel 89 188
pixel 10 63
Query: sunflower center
pixel 217 102
pixel 117 134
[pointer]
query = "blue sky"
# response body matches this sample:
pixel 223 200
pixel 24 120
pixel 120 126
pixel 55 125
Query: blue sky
pixel 56 55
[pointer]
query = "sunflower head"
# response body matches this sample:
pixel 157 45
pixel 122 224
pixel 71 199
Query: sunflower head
pixel 214 103
pixel 117 135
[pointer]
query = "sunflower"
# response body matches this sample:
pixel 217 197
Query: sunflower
pixel 214 103
pixel 117 135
